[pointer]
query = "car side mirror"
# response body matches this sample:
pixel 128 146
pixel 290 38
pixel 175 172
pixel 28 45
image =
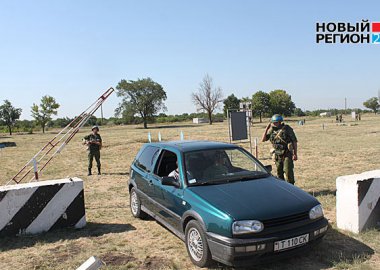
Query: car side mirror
pixel 268 168
pixel 170 181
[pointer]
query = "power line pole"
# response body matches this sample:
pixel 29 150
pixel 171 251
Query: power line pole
pixel 345 105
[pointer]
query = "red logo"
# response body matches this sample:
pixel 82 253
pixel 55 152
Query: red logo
pixel 376 27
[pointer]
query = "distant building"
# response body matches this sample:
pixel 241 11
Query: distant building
pixel 199 120
pixel 325 114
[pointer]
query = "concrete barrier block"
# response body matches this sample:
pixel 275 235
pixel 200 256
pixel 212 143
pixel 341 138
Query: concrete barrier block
pixel 357 201
pixel 92 263
pixel 41 206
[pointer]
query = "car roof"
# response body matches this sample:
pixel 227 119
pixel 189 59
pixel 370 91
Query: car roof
pixel 188 145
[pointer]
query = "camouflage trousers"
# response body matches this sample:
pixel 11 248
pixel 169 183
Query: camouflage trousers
pixel 285 169
pixel 91 156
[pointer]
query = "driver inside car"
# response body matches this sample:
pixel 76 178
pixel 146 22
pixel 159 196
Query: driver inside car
pixel 175 172
pixel 217 167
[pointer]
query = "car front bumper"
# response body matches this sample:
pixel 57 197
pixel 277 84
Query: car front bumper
pixel 229 250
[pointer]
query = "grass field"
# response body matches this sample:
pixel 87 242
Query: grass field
pixel 123 242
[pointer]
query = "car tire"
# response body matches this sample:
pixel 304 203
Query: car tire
pixel 196 244
pixel 135 204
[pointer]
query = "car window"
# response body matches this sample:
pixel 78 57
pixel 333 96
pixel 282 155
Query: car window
pixel 147 157
pixel 221 166
pixel 241 161
pixel 167 163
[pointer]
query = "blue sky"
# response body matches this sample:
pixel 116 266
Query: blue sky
pixel 74 50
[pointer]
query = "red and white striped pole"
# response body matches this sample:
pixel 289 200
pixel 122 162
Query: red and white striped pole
pixel 35 168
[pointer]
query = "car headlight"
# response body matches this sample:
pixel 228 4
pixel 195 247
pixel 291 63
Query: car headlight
pixel 247 226
pixel 316 212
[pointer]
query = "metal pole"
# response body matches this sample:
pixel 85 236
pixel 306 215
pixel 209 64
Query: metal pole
pixel 228 121
pixel 249 130
pixel 345 105
pixel 256 149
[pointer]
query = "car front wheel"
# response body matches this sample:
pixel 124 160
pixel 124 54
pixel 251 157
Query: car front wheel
pixel 135 204
pixel 196 244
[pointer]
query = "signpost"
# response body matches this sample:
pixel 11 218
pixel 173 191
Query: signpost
pixel 239 127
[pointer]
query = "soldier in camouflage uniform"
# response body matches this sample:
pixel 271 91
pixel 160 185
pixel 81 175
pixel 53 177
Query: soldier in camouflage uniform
pixel 94 143
pixel 284 150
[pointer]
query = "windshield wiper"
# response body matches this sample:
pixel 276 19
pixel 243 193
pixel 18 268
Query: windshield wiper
pixel 232 179
pixel 248 177
pixel 212 182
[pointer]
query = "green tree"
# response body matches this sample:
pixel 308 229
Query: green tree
pixel 260 103
pixel 62 122
pixel 144 97
pixel 207 97
pixel 9 114
pixel 299 112
pixel 25 125
pixel 42 113
pixel 128 114
pixel 281 103
pixel 92 121
pixel 372 104
pixel 231 102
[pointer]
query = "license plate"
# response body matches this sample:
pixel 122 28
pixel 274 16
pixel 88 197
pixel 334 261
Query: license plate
pixel 291 242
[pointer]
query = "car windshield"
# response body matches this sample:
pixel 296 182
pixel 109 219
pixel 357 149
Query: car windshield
pixel 208 167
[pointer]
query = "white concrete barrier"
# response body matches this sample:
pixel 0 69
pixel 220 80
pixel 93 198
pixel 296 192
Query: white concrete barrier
pixel 41 206
pixel 92 263
pixel 357 201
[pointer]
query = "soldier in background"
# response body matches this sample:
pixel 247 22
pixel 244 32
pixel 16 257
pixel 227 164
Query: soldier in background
pixel 94 143
pixel 284 143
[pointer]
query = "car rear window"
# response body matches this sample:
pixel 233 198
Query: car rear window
pixel 146 159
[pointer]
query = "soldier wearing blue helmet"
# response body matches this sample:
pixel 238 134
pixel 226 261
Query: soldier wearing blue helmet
pixel 284 143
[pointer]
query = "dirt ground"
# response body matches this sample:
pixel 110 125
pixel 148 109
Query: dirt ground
pixel 123 242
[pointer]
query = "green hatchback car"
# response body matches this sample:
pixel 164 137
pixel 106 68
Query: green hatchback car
pixel 223 203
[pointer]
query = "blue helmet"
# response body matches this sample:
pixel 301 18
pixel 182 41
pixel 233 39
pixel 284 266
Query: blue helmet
pixel 276 118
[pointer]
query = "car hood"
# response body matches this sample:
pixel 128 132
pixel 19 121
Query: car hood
pixel 260 199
